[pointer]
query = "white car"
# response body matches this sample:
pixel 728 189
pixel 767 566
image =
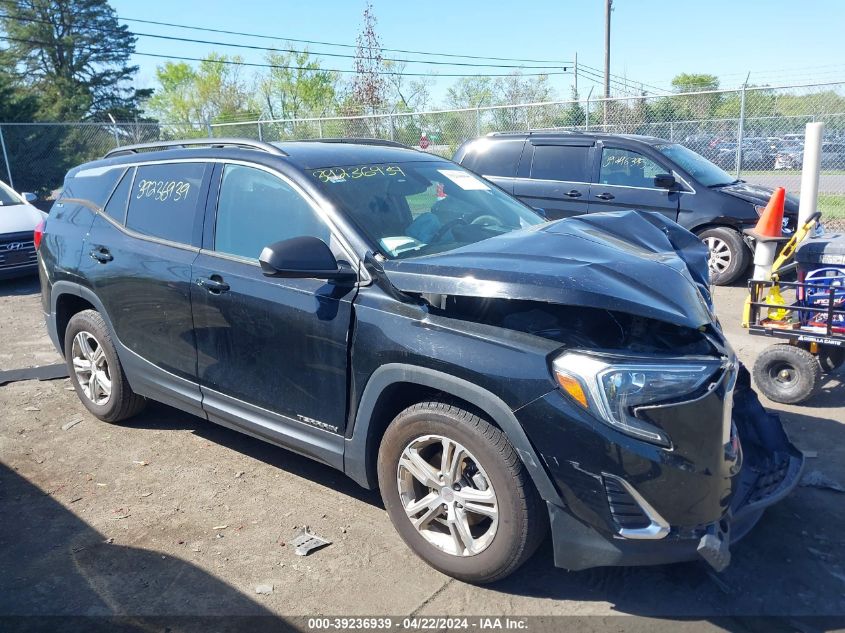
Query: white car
pixel 18 219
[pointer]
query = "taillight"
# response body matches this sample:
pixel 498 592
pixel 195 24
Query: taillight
pixel 38 234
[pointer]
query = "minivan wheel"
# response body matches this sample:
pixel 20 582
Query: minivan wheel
pixel 95 370
pixel 729 257
pixel 457 492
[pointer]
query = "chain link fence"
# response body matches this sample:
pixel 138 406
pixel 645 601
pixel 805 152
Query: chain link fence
pixel 755 133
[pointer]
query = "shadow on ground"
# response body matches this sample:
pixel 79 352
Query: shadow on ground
pixel 60 574
pixel 20 286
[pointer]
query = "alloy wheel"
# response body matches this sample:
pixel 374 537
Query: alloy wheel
pixel 447 496
pixel 91 368
pixel 720 254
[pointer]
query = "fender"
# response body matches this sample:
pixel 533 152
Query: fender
pixel 361 448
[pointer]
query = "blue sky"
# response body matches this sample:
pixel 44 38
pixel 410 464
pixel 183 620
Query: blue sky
pixel 779 41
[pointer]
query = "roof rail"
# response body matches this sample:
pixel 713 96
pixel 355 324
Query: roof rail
pixel 196 142
pixel 354 141
pixel 549 130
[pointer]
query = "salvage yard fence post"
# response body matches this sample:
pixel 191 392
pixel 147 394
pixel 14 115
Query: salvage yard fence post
pixel 740 130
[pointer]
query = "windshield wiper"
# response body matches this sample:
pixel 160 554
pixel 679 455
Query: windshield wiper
pixel 724 184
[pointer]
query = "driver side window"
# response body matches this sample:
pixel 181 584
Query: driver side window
pixel 257 208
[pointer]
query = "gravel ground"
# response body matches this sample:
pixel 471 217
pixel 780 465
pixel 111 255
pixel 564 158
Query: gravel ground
pixel 168 514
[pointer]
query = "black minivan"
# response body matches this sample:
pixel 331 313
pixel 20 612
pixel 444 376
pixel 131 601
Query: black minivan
pixel 569 173
pixel 394 316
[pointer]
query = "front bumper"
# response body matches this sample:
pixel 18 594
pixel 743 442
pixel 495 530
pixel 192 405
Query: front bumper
pixel 705 493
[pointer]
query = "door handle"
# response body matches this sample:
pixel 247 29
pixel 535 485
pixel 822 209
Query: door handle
pixel 101 254
pixel 214 284
pixel 605 196
pixel 573 194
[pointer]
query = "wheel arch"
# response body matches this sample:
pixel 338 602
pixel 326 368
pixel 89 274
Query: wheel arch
pixel 395 386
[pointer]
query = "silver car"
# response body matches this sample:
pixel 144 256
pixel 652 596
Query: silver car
pixel 18 219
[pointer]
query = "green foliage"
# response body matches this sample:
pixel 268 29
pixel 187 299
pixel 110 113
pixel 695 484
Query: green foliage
pixel 188 98
pixel 73 56
pixel 296 87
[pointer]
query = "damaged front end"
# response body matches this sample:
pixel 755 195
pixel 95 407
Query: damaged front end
pixel 656 443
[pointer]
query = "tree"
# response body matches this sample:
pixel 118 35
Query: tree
pixel 471 92
pixel 188 98
pixel 368 84
pixel 74 55
pixel 408 96
pixel 574 115
pixel 296 87
pixel 697 106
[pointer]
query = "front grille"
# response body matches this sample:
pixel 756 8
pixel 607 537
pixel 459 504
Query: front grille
pixel 17 250
pixel 626 512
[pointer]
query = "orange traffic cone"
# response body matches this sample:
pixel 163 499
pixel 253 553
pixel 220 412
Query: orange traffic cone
pixel 441 192
pixel 767 234
pixel 770 224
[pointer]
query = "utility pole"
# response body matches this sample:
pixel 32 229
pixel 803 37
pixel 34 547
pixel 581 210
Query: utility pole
pixel 608 7
pixel 576 74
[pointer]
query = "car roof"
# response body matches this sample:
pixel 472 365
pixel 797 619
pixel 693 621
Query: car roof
pixel 541 135
pixel 341 153
pixel 305 154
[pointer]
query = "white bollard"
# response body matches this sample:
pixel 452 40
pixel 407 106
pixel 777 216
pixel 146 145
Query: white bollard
pixel 764 257
pixel 810 172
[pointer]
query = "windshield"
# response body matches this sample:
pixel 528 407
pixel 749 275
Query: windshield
pixel 420 208
pixel 7 196
pixel 696 165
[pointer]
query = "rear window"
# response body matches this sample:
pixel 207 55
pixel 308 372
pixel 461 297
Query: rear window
pixel 493 158
pixel 560 162
pixel 163 201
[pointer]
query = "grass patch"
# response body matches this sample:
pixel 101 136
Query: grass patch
pixel 785 172
pixel 832 206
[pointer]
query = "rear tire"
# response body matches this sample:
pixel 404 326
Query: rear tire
pixel 787 374
pixel 95 370
pixel 729 256
pixel 479 515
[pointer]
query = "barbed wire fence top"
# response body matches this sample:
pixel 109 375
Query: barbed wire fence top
pixel 755 133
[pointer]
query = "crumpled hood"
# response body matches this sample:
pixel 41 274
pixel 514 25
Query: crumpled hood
pixel 758 194
pixel 19 218
pixel 629 261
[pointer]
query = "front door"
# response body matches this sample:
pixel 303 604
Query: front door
pixel 557 178
pixel 272 353
pixel 626 181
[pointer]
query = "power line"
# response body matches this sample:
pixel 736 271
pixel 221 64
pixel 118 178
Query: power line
pixel 556 63
pixel 232 62
pixel 281 50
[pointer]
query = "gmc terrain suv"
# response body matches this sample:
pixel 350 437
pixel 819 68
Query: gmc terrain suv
pixel 569 173
pixel 392 315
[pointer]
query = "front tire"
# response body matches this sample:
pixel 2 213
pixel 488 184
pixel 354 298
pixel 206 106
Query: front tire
pixel 95 370
pixel 458 494
pixel 729 257
pixel 787 374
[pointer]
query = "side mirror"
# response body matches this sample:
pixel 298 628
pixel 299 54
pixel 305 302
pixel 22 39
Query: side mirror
pixel 664 181
pixel 304 257
pixel 29 197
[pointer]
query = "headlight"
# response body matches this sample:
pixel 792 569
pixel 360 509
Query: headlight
pixel 612 391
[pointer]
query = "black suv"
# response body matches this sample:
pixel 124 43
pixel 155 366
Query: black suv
pixel 392 315
pixel 569 173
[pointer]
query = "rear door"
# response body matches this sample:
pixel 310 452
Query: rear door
pixel 138 257
pixel 554 177
pixel 625 180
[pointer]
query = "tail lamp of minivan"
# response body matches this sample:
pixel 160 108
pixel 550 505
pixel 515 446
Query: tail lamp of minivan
pixel 37 234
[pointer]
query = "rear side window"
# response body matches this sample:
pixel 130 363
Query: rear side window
pixel 116 206
pixel 560 162
pixel 493 158
pixel 163 201
pixel 92 185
